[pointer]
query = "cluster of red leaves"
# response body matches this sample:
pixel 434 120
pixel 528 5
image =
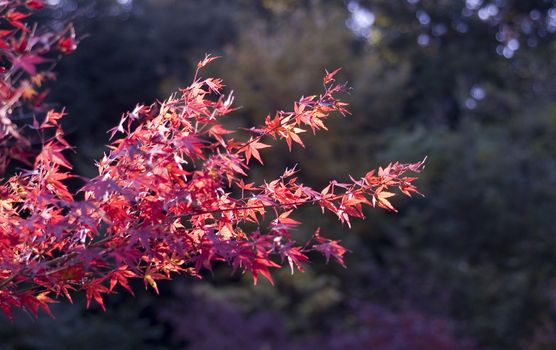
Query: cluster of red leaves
pixel 171 197
pixel 26 56
pixel 171 194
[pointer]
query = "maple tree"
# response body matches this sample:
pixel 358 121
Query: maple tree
pixel 26 58
pixel 172 194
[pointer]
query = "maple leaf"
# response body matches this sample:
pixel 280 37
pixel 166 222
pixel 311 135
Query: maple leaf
pixel 252 149
pixel 94 291
pixel 34 4
pixel 290 134
pixel 381 198
pixel 121 277
pixel 5 32
pixel 43 301
pixel 294 255
pixel 329 248
pixel 28 91
pixel 15 17
pixel 27 62
pixel 150 278
pixel 7 301
pixel 329 77
pixel 52 118
pixel 208 58
pixel 217 131
pixel 260 266
pixel 284 219
pixel 66 290
pixel 52 154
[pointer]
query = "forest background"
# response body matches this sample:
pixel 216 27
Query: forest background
pixel 471 84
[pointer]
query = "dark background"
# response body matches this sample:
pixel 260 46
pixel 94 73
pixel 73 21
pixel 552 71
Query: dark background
pixel 471 84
